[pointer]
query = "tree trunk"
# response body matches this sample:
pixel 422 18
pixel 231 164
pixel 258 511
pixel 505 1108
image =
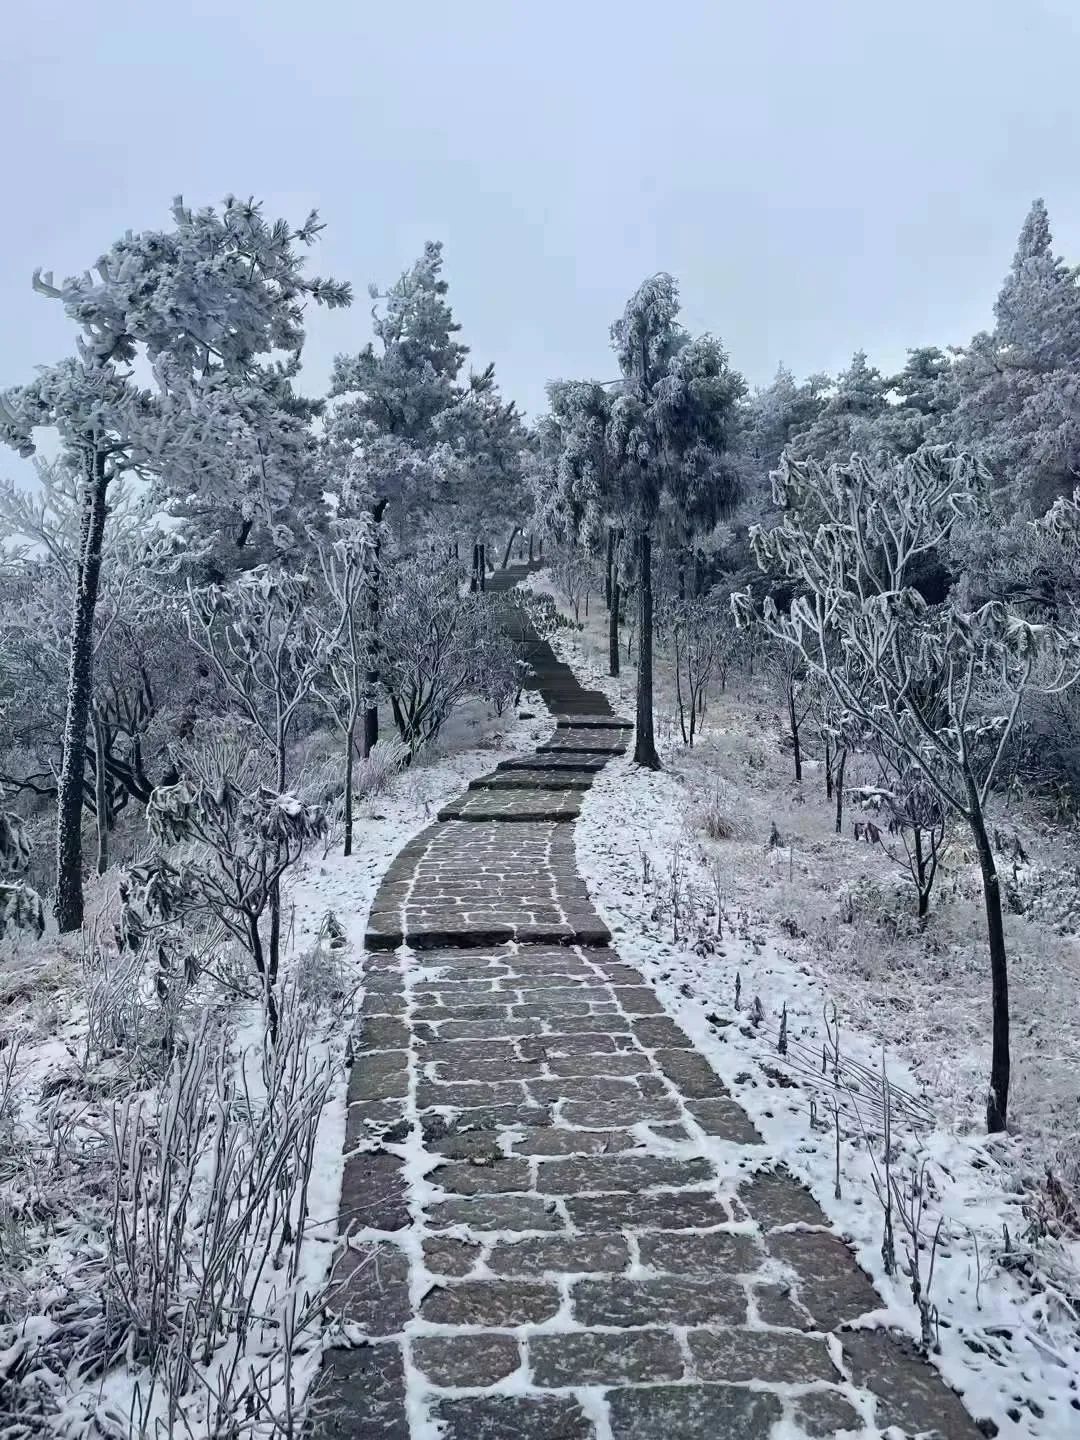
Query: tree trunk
pixel 510 546
pixel 350 741
pixel 613 629
pixel 828 769
pixel 69 797
pixel 841 761
pixel 474 578
pixel 645 741
pixel 997 1103
pixel 794 721
pixel 371 714
pixel 530 549
pixel 610 565
pixel 101 793
pixel 482 569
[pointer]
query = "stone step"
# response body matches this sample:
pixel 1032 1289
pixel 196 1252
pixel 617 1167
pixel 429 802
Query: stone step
pixel 516 803
pixel 556 762
pixel 593 722
pixel 384 934
pixel 533 779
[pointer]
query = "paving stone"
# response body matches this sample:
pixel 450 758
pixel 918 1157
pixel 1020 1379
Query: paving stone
pixel 466 1360
pixel 824 1413
pixel 481 1029
pixel 469 1071
pixel 371 1287
pixel 577 1254
pixel 775 1304
pixel 681 1252
pixel 619 1172
pixel 638 1000
pixel 490 1302
pixel 659 1210
pixel 513 1417
pixel 480 1146
pixel 910 1392
pixel 829 1282
pixel 491 1118
pixel 362 1395
pixel 501 1177
pixel 444 1255
pixel 667 1299
pixel 553 1141
pixel 660 1032
pixel 738 1355
pixel 373 1192
pixel 591 1358
pixel 624 1064
pixel 691 1072
pixel 613 1024
pixel 381 1032
pixel 381 1076
pixel 616 1114
pixel 725 1119
pixel 369 1120
pixel 496 1212
pixel 774 1197
pixel 432 1094
pixel 692 1412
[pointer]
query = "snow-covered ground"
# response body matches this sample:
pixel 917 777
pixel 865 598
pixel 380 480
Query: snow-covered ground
pixel 1003 1285
pixel 64 1092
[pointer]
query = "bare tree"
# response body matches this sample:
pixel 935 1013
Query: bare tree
pixel 941 686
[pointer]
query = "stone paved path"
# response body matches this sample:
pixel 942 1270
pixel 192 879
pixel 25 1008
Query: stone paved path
pixel 560 1226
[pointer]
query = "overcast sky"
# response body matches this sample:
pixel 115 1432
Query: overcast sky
pixel 819 174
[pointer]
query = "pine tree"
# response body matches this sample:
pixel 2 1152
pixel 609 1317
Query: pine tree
pixel 672 428
pixel 195 303
pixel 1019 398
pixel 845 423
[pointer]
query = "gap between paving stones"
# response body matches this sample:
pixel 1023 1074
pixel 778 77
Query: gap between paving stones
pixel 560 1227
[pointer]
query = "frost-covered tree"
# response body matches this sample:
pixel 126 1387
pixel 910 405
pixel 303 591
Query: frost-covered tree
pixel 479 463
pixel 940 686
pixel 401 384
pixel 922 397
pixel 344 685
pixel 771 418
pixel 201 301
pixel 846 421
pixel 440 646
pixel 671 430
pixel 1019 386
pixel 582 502
pixel 136 558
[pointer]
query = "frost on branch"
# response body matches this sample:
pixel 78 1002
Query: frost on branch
pixel 440 646
pixel 225 840
pixel 20 904
pixel 938 686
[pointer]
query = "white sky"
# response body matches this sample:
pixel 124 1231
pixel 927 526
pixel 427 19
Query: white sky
pixel 819 174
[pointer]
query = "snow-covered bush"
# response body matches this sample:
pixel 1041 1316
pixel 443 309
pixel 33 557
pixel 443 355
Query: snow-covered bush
pixel 236 838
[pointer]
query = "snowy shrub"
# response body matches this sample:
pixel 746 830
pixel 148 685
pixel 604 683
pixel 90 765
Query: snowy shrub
pixel 184 1215
pixel 440 646
pixel 237 838
pixel 712 812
